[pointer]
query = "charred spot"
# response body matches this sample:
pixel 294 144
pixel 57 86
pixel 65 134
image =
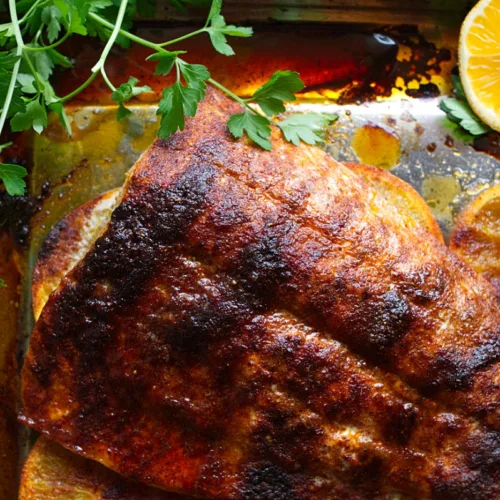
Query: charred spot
pixel 400 423
pixel 371 325
pixel 388 320
pixel 284 437
pixel 116 491
pixel 462 484
pixel 452 370
pixel 92 341
pixel 368 473
pixel 207 322
pixel 485 454
pixel 130 250
pixel 262 268
pixel 52 239
pixel 125 256
pixel 171 210
pixel 265 481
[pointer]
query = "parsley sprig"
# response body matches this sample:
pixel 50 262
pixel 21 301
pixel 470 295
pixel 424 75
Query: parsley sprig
pixel 29 55
pixel 458 111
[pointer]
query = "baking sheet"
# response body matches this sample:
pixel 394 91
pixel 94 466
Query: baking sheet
pixel 384 84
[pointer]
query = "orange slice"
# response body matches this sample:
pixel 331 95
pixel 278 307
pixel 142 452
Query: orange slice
pixel 476 237
pixel 479 60
pixel 53 473
pixel 399 193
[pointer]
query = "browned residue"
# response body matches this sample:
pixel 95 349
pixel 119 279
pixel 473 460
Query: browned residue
pixel 449 141
pixel 345 66
pixel 489 143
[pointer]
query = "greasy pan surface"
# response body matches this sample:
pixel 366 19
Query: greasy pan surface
pixel 264 325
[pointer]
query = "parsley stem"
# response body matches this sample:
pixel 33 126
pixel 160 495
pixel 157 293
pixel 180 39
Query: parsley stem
pixel 30 10
pixel 181 38
pixel 126 34
pixel 99 66
pixel 38 35
pixel 15 69
pixel 233 96
pixel 29 62
pixel 84 85
pixel 48 47
pixel 112 38
pixel 107 80
pixel 158 48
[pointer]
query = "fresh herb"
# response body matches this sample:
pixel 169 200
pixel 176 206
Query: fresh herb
pixel 305 127
pixel 180 99
pixel 13 178
pixel 2 283
pixel 29 54
pixel 124 93
pixel 256 127
pixel 458 110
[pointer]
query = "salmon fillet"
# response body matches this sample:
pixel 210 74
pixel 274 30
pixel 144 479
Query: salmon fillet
pixel 257 325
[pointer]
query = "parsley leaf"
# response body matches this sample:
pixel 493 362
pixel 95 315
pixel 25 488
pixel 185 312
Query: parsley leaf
pixel 458 87
pixel 60 59
pixel 166 61
pixel 257 128
pixel 58 108
pixel 12 176
pixel 34 116
pixel 44 64
pixel 218 31
pixel 305 127
pixel 2 283
pixel 195 75
pixel 27 82
pixel 124 93
pixel 7 61
pixel 177 101
pixel 280 87
pixel 215 9
pixel 180 100
pixel 51 16
pixel 461 113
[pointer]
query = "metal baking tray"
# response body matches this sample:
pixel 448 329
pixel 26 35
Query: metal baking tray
pixel 381 65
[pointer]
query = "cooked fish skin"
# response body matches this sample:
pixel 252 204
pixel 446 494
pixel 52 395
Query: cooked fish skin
pixel 262 325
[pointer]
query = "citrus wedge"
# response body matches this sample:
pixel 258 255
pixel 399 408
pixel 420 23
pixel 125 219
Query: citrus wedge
pixel 53 473
pixel 476 237
pixel 479 60
pixel 399 193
